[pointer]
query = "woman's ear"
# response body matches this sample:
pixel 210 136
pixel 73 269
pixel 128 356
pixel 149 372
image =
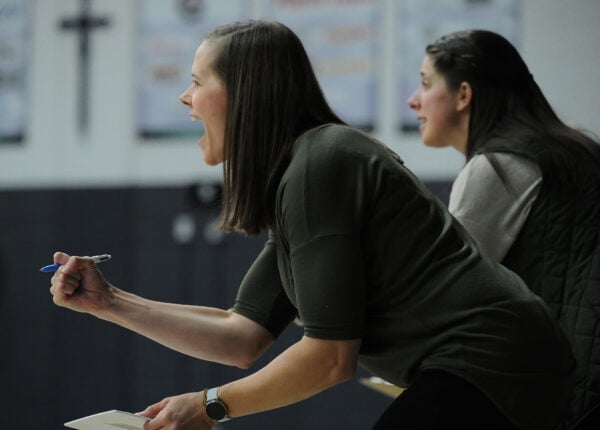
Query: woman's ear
pixel 464 95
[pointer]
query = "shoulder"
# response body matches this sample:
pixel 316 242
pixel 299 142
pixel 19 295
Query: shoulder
pixel 516 172
pixel 333 147
pixel 503 166
pixel 496 173
pixel 478 168
pixel 332 159
pixel 513 161
pixel 333 138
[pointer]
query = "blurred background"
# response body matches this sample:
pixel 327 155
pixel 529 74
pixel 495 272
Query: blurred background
pixel 97 155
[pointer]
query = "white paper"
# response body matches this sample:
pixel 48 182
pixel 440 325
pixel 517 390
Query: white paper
pixel 109 420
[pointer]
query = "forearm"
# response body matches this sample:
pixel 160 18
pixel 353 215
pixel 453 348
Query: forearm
pixel 305 369
pixel 201 332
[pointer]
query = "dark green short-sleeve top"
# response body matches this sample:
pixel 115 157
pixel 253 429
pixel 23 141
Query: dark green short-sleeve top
pixel 362 250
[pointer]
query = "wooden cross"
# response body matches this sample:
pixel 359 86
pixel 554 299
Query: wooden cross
pixel 84 23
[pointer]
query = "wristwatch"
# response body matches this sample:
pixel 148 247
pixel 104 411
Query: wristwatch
pixel 215 408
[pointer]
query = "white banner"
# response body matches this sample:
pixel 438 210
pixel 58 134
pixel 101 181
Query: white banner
pixel 169 32
pixel 342 41
pixel 14 61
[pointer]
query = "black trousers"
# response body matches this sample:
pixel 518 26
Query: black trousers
pixel 440 400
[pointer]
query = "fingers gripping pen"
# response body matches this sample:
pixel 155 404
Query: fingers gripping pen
pixel 96 259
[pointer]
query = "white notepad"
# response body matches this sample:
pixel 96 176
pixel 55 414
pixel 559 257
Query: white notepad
pixel 109 420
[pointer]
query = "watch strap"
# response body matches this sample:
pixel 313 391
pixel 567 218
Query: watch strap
pixel 212 394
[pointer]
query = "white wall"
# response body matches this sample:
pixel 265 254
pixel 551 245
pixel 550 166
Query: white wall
pixel 559 42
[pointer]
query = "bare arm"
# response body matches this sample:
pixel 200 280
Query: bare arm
pixel 303 370
pixel 202 332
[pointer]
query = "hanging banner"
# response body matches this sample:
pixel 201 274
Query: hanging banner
pixel 421 22
pixel 14 59
pixel 169 32
pixel 342 41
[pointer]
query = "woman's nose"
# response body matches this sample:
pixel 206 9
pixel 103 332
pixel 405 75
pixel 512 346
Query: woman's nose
pixel 412 101
pixel 185 98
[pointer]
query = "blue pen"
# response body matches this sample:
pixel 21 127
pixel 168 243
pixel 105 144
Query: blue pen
pixel 96 259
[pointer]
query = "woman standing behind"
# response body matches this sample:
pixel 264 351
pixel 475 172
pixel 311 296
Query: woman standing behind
pixel 530 191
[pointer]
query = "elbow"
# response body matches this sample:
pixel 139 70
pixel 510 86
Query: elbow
pixel 249 353
pixel 247 343
pixel 343 372
pixel 338 371
pixel 245 362
pixel 349 375
pixel 337 359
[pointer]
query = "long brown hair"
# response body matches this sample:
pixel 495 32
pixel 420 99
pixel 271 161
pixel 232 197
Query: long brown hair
pixel 273 97
pixel 509 112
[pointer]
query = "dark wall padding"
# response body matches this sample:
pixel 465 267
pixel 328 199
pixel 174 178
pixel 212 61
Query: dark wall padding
pixel 57 365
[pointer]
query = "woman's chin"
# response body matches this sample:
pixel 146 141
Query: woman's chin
pixel 433 143
pixel 209 160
